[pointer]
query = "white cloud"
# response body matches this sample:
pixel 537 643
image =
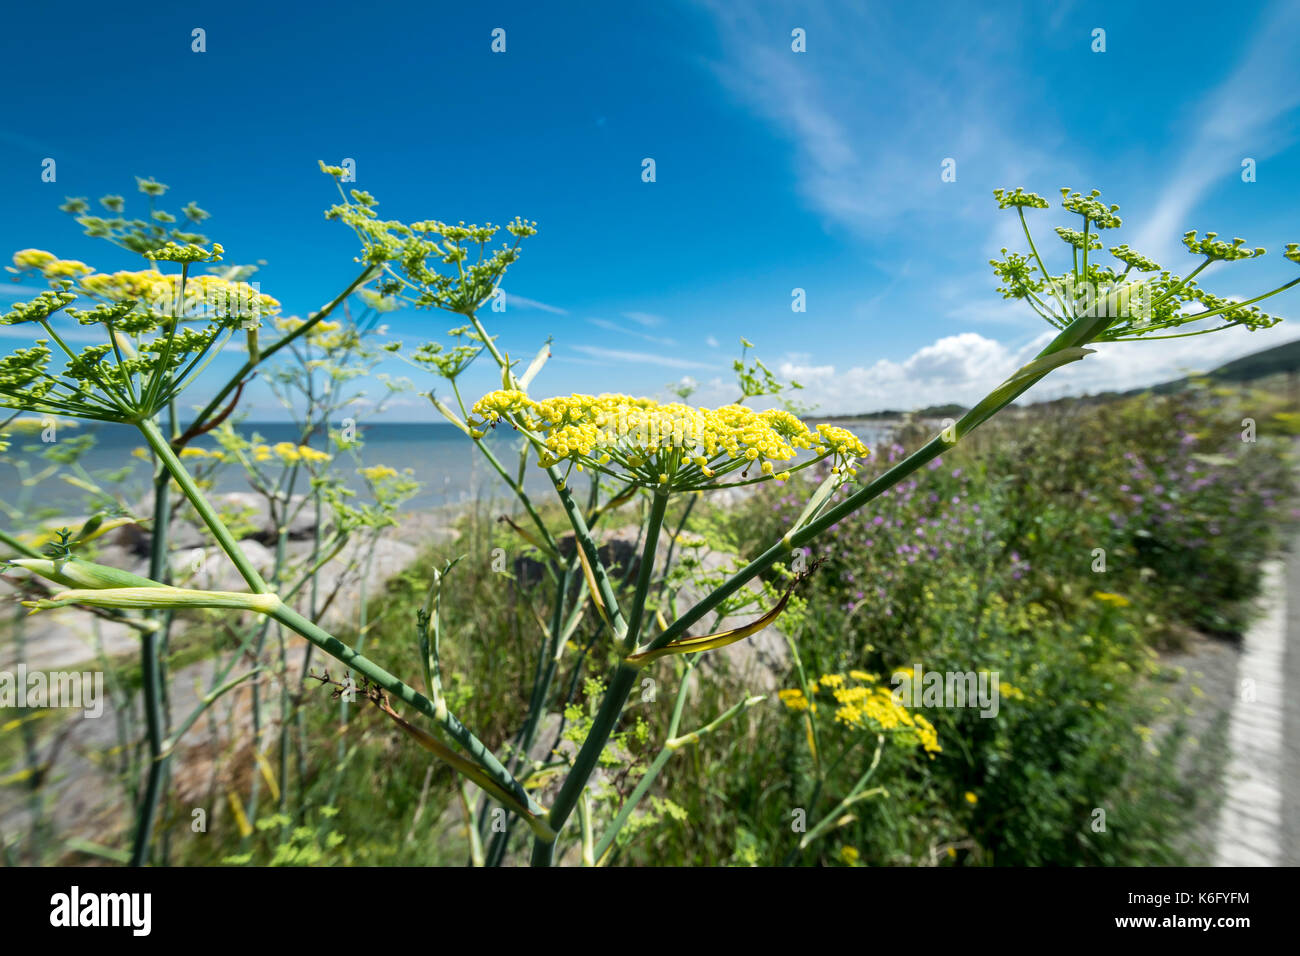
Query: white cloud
pixel 711 342
pixel 956 368
pixel 964 368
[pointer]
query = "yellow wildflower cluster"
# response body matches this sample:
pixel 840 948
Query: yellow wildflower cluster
pixel 326 335
pixel 1010 691
pixel 666 445
pixel 189 451
pixel 203 293
pixel 862 703
pixel 793 699
pixel 289 453
pixel 49 265
pixel 390 488
pixel 185 252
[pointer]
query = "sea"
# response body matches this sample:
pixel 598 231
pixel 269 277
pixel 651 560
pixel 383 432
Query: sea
pixel 438 455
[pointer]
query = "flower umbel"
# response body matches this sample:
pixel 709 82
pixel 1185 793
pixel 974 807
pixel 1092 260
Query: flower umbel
pixel 670 447
pixel 1138 301
pixel 159 332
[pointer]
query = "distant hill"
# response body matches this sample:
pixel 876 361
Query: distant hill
pixel 930 411
pixel 1282 359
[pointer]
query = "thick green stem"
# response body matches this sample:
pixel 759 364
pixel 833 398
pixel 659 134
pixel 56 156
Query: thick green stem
pixel 163 449
pixel 672 542
pixel 621 683
pixel 658 506
pixel 588 545
pixel 150 667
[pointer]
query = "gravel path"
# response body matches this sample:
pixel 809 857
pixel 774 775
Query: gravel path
pixel 1259 822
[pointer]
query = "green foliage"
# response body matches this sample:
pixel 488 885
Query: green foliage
pixel 987 565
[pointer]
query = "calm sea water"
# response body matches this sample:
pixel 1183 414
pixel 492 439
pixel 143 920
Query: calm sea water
pixel 440 456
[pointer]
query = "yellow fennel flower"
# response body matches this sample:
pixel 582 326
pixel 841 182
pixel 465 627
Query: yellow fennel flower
pixel 671 446
pixel 311 454
pixel 377 473
pixel 287 452
pixel 793 699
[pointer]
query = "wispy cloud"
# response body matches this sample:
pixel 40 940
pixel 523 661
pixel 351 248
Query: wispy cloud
pixel 644 318
pixel 872 121
pixel 615 327
pixel 1239 118
pixel 639 358
pixel 521 302
pixel 30 331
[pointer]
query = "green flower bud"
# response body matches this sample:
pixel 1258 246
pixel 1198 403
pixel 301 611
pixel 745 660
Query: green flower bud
pixel 75 573
pixel 159 595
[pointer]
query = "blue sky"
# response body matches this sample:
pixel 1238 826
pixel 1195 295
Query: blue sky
pixel 775 170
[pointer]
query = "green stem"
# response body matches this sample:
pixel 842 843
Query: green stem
pixel 658 506
pixel 1066 313
pixel 150 674
pixel 163 449
pixel 584 540
pixel 853 796
pixel 624 677
pixel 27 550
pixel 621 683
